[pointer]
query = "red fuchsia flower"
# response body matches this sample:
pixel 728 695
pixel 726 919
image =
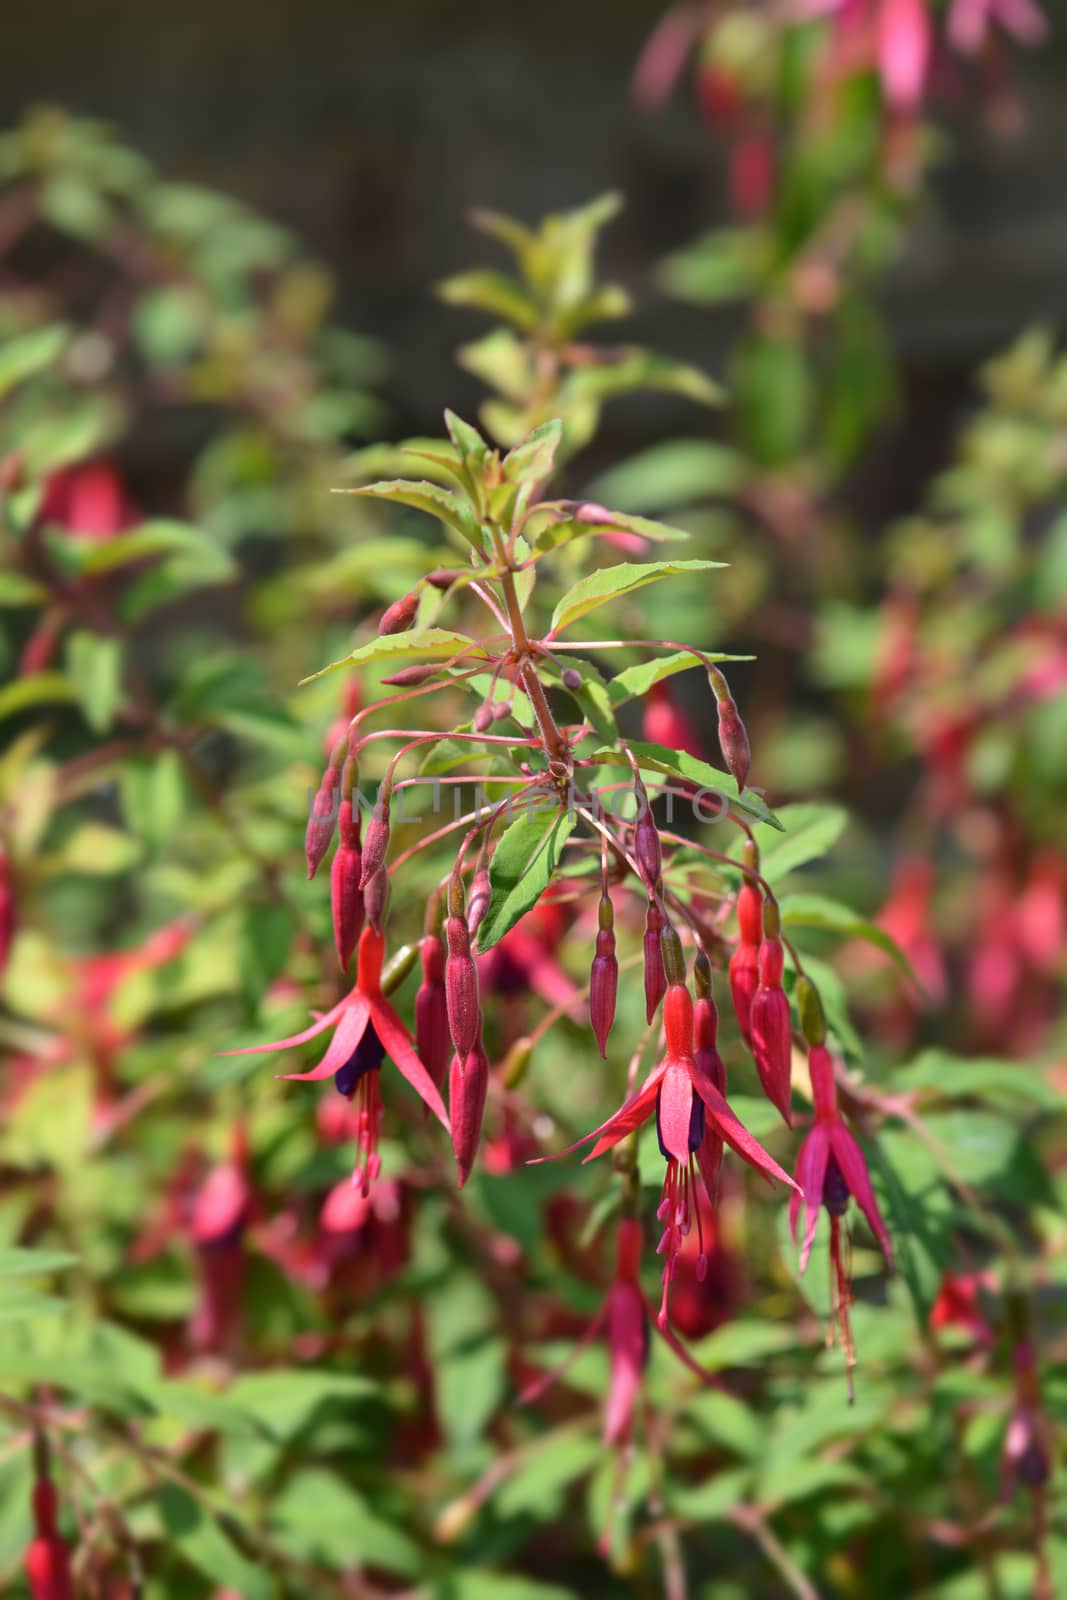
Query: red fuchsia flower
pixel 958 1305
pixel 88 499
pixel 970 22
pixel 625 1316
pixel 366 1030
pixel 769 1019
pixel 1041 913
pixel 221 1213
pixel 48 1557
pixel 664 722
pixel 684 1099
pixel 830 1168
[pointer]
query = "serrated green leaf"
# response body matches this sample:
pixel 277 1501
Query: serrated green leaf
pixel 423 644
pixel 522 867
pixel 431 498
pixel 678 764
pixel 810 832
pixel 533 459
pixel 632 682
pixel 610 583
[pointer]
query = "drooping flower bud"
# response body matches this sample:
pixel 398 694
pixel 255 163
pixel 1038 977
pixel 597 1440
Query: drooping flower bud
pixel 673 958
pixel 501 710
pixel 376 897
pixel 376 838
pixel 478 904
pixel 655 977
pixel 400 615
pixel 414 676
pixel 772 1037
pixel 647 849
pixel 604 977
pixel 467 1087
pixel 744 963
pixel 322 818
pixel 442 578
pixel 461 987
pixel 346 899
pixel 733 742
pixel 431 1010
pixel 47 1557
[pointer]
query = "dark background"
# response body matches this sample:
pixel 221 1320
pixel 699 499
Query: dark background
pixel 371 128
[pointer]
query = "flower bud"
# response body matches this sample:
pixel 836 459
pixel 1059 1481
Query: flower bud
pixel 647 848
pixel 400 963
pixel 411 677
pixel 772 1036
pixel 322 819
pixel 468 1083
pixel 501 710
pixel 733 742
pixel 478 904
pixel 48 1568
pixel 604 978
pixel 346 898
pixel 431 1010
pixel 655 976
pixel 483 718
pixel 810 1011
pixel 744 963
pixel 376 839
pixel 400 615
pixel 572 678
pixel 442 579
pixel 376 898
pixel 461 987
pixel 673 959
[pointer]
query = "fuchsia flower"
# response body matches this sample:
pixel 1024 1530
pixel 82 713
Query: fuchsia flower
pixel 48 1556
pixel 625 1314
pixel 971 21
pixel 685 1099
pixel 366 1030
pixel 830 1168
pixel 958 1305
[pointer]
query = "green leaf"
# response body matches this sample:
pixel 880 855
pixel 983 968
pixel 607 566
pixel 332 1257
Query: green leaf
pixel 810 832
pixel 536 1488
pixel 285 1400
pixel 533 459
pixel 20 1263
pixel 424 644
pixel 678 764
pixel 429 497
pixel 467 440
pixel 21 357
pixel 95 666
pixel 43 688
pixel 816 911
pixel 16 590
pixel 334 1524
pixel 635 369
pixel 671 474
pixel 635 681
pixel 522 867
pixel 723 265
pixel 609 583
pixel 957 1078
pixel 198 1537
pixel 494 292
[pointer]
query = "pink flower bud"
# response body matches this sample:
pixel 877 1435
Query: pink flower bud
pixel 604 978
pixel 772 1036
pixel 655 974
pixel 346 898
pixel 572 678
pixel 478 904
pixel 501 710
pixel 483 718
pixel 322 819
pixel 400 615
pixel 647 848
pixel 733 742
pixel 412 677
pixel 376 897
pixel 442 579
pixel 467 1086
pixel 431 1011
pixel 461 987
pixel 375 840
